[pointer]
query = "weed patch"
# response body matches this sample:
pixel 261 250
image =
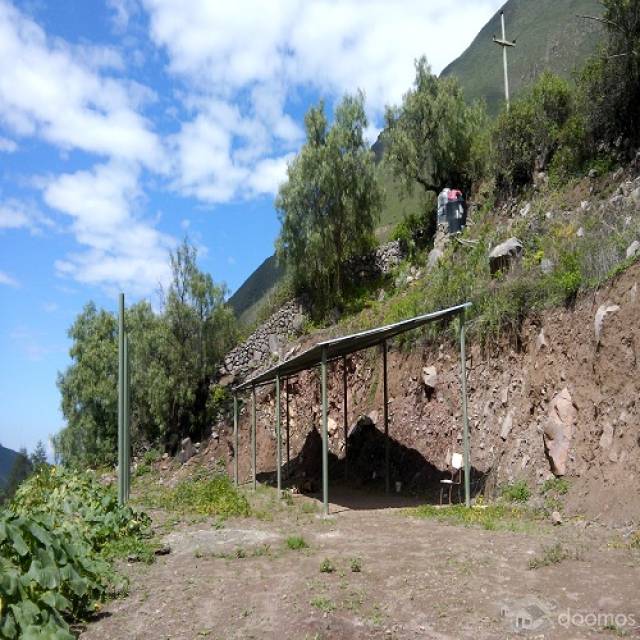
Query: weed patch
pixel 516 492
pixel 203 495
pixel 491 517
pixel 326 566
pixel 553 554
pixel 323 603
pixel 295 543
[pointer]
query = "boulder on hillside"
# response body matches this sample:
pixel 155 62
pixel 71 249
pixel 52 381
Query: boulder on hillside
pixel 507 425
pixel 504 255
pixel 435 255
pixel 558 431
pixel 430 378
pixel 603 311
pixel 187 451
pixel 633 249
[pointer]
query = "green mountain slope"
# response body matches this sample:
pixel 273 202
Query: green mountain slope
pixel 549 36
pixel 7 459
pixel 254 289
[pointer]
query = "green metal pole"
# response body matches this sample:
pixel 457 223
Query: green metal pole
pixel 126 413
pixel 121 399
pixel 236 452
pixel 465 417
pixel 344 419
pixel 325 435
pixel 278 438
pixel 253 437
pixel 385 400
pixel 287 427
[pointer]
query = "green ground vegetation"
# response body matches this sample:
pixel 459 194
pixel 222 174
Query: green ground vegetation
pixel 58 538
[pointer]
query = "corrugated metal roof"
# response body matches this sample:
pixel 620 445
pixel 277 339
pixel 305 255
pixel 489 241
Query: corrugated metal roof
pixel 338 347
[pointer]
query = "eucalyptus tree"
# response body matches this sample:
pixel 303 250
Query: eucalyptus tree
pixel 330 203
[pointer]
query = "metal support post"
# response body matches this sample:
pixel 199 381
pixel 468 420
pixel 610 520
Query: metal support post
pixel 236 451
pixel 286 391
pixel 121 399
pixel 325 435
pixel 465 418
pixel 127 418
pixel 253 437
pixel 345 419
pixel 385 400
pixel 278 438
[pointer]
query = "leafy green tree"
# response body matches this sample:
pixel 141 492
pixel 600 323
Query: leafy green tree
pixel 198 329
pixel 89 390
pixel 610 82
pixel 174 358
pixel 528 135
pixel 330 203
pixel 431 138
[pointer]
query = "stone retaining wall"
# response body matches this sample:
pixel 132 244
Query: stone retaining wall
pixel 269 342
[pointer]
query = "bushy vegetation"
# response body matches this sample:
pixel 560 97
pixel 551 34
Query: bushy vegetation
pixel 491 516
pixel 516 492
pixel 203 494
pixel 527 136
pixel 55 538
pixel 296 543
pixel 175 355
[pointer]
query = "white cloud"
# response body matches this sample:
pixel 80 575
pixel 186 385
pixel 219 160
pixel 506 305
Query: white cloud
pixel 244 62
pixel 6 279
pixel 12 217
pixel 333 45
pixel 53 90
pixel 121 12
pixel 220 155
pixel 123 251
pixel 269 174
pixel 7 146
pixel 18 215
pixel 50 307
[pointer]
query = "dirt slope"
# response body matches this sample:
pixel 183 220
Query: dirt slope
pixel 557 351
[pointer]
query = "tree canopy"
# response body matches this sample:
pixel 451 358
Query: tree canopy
pixel 330 203
pixel 431 138
pixel 174 357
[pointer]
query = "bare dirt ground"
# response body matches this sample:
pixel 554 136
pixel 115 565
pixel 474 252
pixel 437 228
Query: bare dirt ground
pixel 418 578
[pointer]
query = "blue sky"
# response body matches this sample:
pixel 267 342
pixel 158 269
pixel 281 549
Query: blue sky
pixel 127 124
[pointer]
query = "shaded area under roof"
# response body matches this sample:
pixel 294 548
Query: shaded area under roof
pixel 338 347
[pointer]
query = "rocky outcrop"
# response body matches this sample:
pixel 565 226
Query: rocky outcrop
pixel 187 450
pixel 558 431
pixel 598 324
pixel 503 255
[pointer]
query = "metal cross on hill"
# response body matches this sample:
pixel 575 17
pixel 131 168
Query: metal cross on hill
pixel 504 43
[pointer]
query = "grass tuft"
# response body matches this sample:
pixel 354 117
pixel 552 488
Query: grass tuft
pixel 326 566
pixel 296 543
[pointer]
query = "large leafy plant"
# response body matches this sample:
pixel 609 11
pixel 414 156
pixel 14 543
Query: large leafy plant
pixel 53 539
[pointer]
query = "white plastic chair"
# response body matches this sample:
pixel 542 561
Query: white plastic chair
pixel 457 462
